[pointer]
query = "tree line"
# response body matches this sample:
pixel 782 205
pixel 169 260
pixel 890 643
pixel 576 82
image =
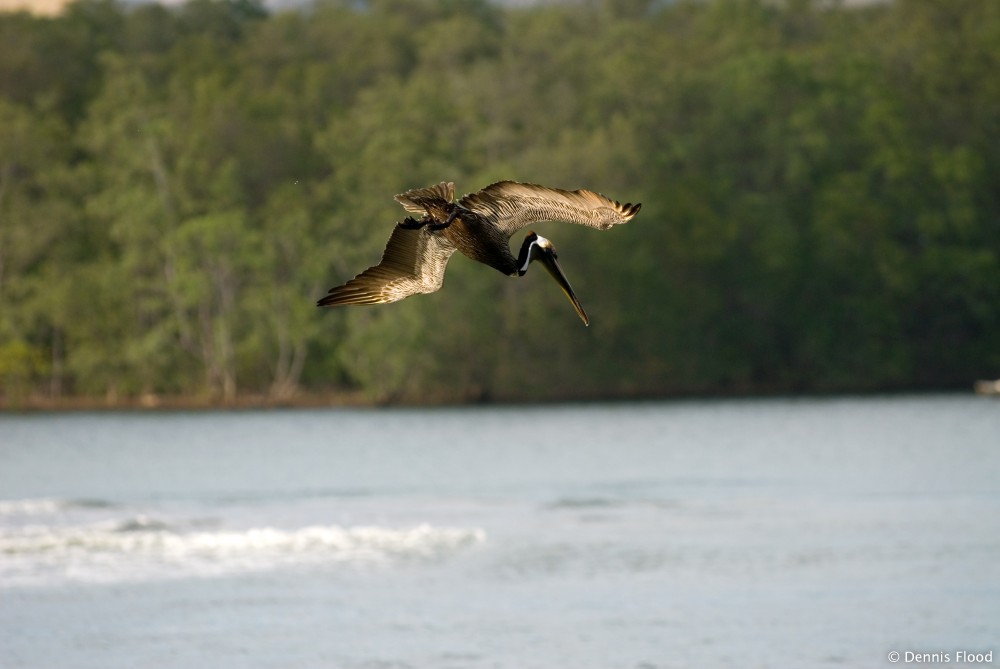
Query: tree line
pixel 820 187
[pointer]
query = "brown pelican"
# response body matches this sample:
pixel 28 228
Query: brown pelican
pixel 479 225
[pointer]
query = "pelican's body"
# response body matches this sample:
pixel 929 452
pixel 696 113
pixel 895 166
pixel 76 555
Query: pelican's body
pixel 480 226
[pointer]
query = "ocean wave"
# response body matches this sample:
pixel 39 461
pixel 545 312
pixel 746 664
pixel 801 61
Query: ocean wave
pixel 608 503
pixel 47 505
pixel 146 548
pixel 141 523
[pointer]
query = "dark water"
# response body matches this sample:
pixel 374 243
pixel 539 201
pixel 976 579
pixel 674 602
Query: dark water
pixel 777 533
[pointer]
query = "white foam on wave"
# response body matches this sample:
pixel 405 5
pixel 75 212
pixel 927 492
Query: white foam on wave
pixel 108 552
pixel 30 507
pixel 47 505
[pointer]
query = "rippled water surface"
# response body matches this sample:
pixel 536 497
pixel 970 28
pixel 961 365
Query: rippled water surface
pixel 772 533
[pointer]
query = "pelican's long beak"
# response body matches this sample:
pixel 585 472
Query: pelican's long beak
pixel 547 256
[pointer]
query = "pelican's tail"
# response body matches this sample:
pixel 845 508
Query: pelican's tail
pixel 415 200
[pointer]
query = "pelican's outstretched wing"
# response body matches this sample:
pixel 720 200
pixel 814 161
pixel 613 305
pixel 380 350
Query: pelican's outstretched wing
pixel 413 262
pixel 512 206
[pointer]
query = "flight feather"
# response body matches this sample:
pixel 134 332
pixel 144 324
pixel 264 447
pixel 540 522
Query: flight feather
pixel 415 200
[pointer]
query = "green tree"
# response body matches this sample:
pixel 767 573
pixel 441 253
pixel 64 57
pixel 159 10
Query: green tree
pixel 178 184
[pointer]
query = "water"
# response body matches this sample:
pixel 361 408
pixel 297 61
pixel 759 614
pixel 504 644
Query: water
pixel 774 533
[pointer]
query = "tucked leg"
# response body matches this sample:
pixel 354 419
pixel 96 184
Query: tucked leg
pixel 411 223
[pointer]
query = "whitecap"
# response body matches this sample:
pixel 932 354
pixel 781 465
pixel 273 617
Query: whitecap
pixel 143 548
pixel 30 507
pixel 48 505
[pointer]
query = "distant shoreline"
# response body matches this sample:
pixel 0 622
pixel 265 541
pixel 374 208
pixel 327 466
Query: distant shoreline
pixel 359 399
pixel 182 403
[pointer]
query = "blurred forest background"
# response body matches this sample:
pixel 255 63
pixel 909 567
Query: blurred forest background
pixel 178 185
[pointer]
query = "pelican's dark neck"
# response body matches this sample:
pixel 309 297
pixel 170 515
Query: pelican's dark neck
pixel 524 255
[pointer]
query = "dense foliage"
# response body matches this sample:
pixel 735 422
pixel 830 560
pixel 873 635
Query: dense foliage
pixel 820 189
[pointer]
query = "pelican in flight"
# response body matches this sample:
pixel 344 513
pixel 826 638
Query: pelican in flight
pixel 479 225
